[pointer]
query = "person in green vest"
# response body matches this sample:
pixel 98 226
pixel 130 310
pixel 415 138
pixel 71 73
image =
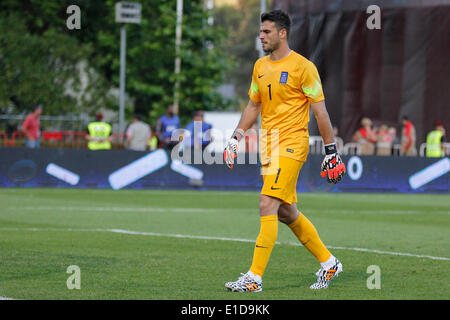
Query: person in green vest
pixel 435 141
pixel 153 143
pixel 99 134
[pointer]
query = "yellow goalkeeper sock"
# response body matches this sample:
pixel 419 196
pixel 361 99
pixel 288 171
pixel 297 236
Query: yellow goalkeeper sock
pixel 305 231
pixel 264 244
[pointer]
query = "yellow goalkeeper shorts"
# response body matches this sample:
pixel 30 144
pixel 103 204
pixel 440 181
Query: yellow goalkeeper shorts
pixel 280 179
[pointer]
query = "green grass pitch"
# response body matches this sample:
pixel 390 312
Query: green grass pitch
pixel 161 244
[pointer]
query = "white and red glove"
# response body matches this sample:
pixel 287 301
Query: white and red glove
pixel 231 149
pixel 332 166
pixel 230 152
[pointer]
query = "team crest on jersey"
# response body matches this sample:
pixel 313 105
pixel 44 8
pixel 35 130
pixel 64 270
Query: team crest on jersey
pixel 284 77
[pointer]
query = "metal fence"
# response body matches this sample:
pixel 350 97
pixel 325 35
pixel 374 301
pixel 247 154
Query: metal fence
pixel 77 140
pixel 60 139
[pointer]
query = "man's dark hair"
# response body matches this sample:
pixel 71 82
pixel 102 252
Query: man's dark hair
pixel 35 107
pixel 281 19
pixel 197 113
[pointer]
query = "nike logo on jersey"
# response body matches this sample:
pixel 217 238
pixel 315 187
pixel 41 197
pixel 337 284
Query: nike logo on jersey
pixel 272 188
pixel 260 247
pixel 260 76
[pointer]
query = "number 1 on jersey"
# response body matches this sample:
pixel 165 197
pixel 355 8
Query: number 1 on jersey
pixel 270 91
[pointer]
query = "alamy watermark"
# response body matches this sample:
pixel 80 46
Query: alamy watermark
pixel 74 20
pixel 206 147
pixel 374 20
pixel 74 281
pixel 374 280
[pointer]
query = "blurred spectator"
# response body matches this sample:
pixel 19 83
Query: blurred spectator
pixel 384 141
pixel 393 133
pixel 98 136
pixel 395 140
pixel 435 141
pixel 199 132
pixel 366 137
pixel 335 131
pixel 138 134
pixel 408 140
pixel 31 128
pixel 153 143
pixel 165 126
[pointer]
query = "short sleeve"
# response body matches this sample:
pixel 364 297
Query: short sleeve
pixel 26 123
pixel 129 131
pixel 311 84
pixel 253 92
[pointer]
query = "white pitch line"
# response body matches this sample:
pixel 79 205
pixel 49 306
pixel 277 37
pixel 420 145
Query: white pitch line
pixel 123 209
pixel 216 210
pixel 184 236
pixel 6 298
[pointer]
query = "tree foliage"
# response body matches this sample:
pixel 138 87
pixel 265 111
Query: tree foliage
pixel 150 53
pixel 150 58
pixel 241 22
pixel 44 68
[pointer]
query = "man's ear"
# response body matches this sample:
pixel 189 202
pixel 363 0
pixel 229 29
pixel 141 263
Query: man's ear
pixel 283 33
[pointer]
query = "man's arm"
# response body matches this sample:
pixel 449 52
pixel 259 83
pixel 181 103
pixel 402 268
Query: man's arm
pixel 129 136
pixel 323 121
pixel 149 135
pixel 332 166
pixel 248 118
pixel 25 130
pixel 159 131
pixel 87 135
pixel 371 135
pixel 410 140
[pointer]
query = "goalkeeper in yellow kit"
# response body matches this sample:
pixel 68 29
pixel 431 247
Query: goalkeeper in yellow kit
pixel 285 85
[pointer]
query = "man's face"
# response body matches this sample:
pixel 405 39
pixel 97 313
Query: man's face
pixel 38 112
pixel 392 132
pixel 198 117
pixel 170 110
pixel 270 36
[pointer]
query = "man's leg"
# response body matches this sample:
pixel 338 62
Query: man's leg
pixel 279 180
pixel 268 208
pixel 29 144
pixel 304 230
pixel 307 234
pixel 252 280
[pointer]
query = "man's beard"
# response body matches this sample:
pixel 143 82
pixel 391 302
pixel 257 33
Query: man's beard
pixel 272 48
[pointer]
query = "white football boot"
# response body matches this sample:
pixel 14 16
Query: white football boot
pixel 248 282
pixel 324 276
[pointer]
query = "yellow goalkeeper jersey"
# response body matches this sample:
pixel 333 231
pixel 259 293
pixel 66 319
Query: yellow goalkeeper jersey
pixel 285 88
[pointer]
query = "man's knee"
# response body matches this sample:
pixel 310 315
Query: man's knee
pixel 284 218
pixel 287 213
pixel 268 205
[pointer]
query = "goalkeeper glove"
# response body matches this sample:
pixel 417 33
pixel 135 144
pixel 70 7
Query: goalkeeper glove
pixel 332 166
pixel 230 152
